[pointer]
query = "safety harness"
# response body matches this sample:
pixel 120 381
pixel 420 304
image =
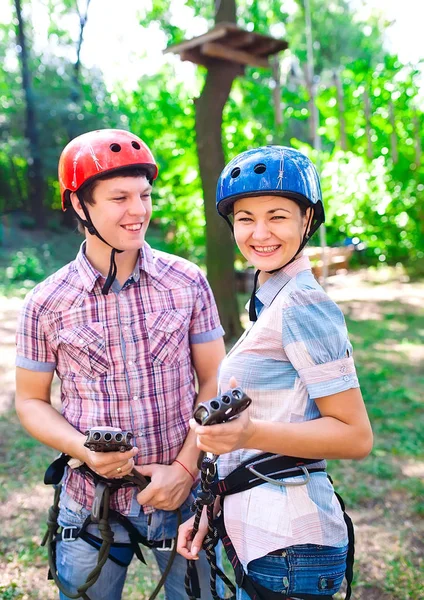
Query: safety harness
pixel 262 468
pixel 101 515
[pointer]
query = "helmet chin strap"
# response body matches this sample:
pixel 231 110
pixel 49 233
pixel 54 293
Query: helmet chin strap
pixel 252 305
pixel 88 223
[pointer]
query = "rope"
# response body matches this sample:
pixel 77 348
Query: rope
pixel 107 537
pixel 107 540
pixel 206 498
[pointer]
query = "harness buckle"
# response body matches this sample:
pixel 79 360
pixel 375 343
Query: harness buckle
pixel 68 533
pixel 167 545
pixel 304 481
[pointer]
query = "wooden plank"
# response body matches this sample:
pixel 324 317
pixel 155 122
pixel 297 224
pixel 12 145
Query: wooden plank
pixel 224 53
pixel 267 46
pixel 235 40
pixel 214 34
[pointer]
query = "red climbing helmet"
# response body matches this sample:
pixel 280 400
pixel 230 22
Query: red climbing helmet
pixel 97 152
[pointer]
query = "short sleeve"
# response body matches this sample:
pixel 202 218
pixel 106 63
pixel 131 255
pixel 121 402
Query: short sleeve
pixel 205 325
pixel 316 342
pixel 33 350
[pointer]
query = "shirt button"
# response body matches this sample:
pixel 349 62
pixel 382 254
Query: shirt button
pixel 346 377
pixel 130 362
pixel 126 328
pixel 135 397
pixel 81 342
pixel 343 370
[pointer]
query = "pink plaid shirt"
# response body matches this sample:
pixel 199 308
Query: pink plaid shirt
pixel 123 359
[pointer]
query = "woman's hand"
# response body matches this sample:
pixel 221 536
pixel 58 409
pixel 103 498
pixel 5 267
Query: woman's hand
pixel 224 437
pixel 186 546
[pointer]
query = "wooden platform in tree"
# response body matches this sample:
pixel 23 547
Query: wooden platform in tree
pixel 228 42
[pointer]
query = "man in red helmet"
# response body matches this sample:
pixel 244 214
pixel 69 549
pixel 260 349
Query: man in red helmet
pixel 127 330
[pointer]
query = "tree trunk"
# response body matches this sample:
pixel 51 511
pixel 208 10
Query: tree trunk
pixel 68 217
pixel 219 243
pixel 417 136
pixel 276 93
pixel 393 137
pixel 367 113
pixel 341 108
pixel 36 182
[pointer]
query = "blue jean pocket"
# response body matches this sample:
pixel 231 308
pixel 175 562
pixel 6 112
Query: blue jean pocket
pixel 270 571
pixel 316 569
pixel 70 512
pixel 302 569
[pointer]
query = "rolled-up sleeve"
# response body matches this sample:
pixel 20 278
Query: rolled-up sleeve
pixel 205 325
pixel 33 350
pixel 316 342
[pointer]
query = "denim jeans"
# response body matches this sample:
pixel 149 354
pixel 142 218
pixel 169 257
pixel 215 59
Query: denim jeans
pixel 302 569
pixel 75 559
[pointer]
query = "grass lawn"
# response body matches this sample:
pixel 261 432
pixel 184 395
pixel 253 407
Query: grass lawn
pixel 384 493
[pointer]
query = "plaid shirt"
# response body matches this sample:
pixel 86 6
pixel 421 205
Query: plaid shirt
pixel 123 359
pixel 296 351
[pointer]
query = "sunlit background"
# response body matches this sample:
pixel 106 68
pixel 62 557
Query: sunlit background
pixel 360 118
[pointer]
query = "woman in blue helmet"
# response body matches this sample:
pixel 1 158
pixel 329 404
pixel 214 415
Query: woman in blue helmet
pixel 288 535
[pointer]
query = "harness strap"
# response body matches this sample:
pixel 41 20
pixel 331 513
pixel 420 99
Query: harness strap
pixel 100 516
pixel 266 464
pixel 50 540
pixel 255 590
pixel 251 473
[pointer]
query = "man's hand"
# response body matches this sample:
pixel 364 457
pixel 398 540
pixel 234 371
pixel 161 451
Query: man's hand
pixel 169 487
pixel 111 465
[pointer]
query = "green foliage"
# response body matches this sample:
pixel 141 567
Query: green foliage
pixel 390 384
pixel 404 577
pixel 10 592
pixel 25 265
pixel 373 187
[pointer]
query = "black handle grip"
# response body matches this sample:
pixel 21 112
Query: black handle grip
pixel 220 410
pixel 108 439
pixel 113 439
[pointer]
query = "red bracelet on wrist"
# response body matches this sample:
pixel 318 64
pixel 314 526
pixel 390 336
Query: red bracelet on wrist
pixel 185 468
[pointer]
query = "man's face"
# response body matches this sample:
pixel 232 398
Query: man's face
pixel 121 211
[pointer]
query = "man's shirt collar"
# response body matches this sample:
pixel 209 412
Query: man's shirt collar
pixel 89 275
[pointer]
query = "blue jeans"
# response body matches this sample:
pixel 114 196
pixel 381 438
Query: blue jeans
pixel 302 569
pixel 75 559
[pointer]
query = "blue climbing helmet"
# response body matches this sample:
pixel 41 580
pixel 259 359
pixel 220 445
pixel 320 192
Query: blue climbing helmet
pixel 271 170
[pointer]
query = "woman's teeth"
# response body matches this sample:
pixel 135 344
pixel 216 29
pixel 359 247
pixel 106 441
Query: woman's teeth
pixel 265 249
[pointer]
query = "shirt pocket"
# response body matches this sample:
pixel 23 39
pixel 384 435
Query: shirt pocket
pixel 167 331
pixel 85 349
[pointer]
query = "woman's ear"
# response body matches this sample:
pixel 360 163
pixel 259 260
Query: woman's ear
pixel 307 221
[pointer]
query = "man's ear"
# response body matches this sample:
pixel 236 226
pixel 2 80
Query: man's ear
pixel 76 205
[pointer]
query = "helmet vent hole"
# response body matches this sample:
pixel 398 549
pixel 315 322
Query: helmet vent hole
pixel 136 145
pixel 260 168
pixel 115 147
pixel 235 172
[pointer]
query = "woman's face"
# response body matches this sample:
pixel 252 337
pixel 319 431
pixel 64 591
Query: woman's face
pixel 268 230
